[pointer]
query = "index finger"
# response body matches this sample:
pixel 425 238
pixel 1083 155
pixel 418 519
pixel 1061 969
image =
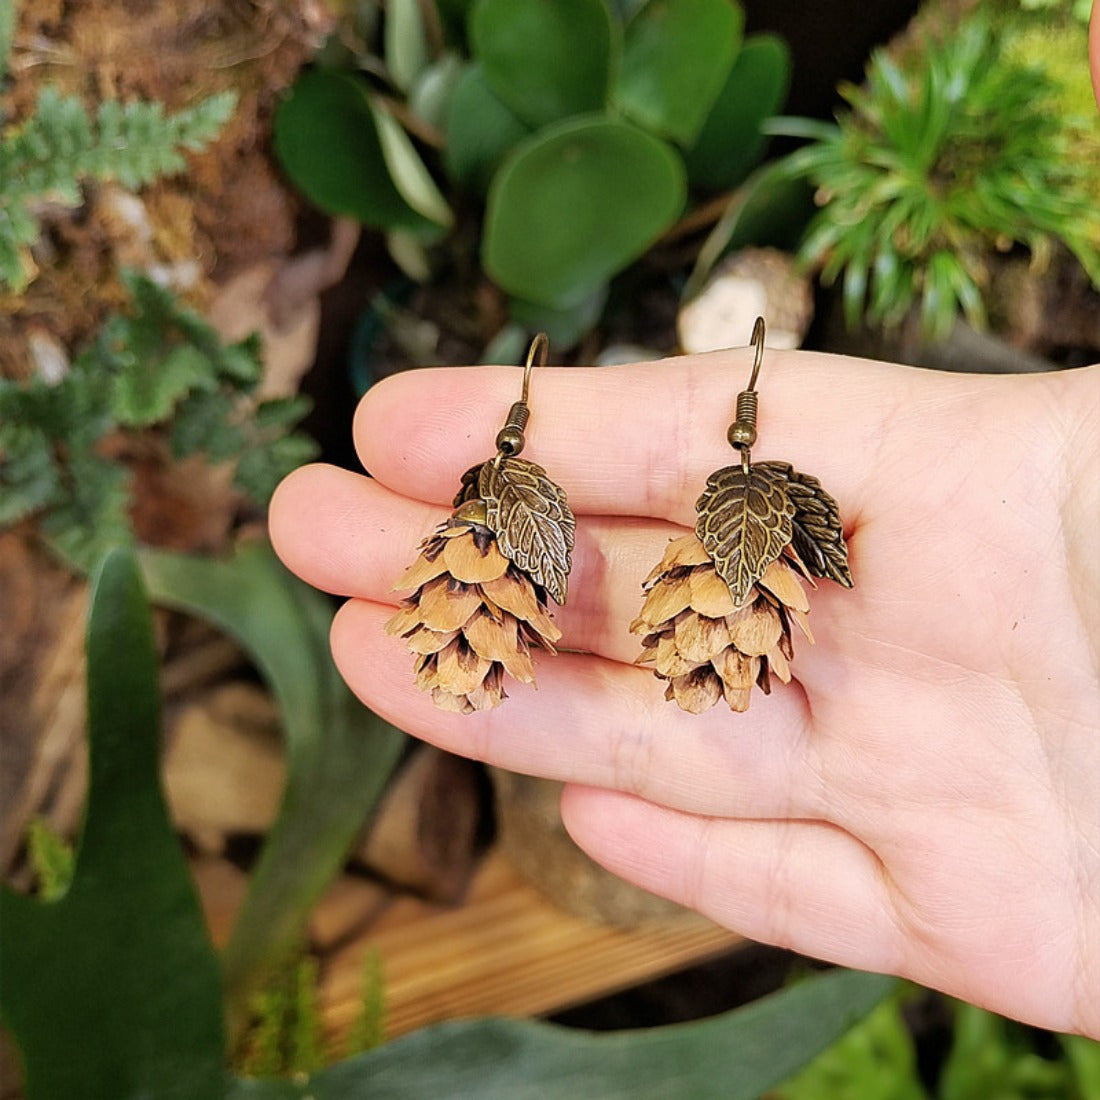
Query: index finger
pixel 640 439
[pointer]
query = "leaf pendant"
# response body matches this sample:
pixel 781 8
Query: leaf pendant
pixel 745 521
pixel 528 514
pixel 818 534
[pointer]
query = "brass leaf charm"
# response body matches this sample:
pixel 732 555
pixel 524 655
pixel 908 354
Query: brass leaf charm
pixel 533 524
pixel 469 490
pixel 745 521
pixel 818 534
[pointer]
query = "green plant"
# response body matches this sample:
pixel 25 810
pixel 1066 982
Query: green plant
pixel 1079 9
pixel 549 145
pixel 286 1034
pixel 945 157
pixel 158 369
pixel 989 1057
pixel 51 860
pixel 339 754
pixel 113 991
pixel 59 146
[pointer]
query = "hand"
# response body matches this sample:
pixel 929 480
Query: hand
pixel 924 798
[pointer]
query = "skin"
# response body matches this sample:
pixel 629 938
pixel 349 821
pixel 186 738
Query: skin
pixel 924 798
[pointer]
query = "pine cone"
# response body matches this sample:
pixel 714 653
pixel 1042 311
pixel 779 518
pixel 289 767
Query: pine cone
pixel 473 617
pixel 702 643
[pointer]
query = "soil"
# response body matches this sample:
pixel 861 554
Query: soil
pixel 228 210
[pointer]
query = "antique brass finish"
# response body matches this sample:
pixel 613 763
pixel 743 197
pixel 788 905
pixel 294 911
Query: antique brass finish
pixel 719 606
pixel 510 439
pixel 742 432
pixel 483 579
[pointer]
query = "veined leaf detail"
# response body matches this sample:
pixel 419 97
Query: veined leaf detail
pixel 533 524
pixel 744 523
pixel 469 489
pixel 818 534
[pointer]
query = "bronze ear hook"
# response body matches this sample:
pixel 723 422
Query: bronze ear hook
pixel 719 606
pixel 510 439
pixel 742 432
pixel 483 578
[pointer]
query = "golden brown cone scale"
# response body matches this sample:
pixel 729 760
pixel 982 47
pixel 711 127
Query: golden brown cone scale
pixel 705 647
pixel 472 618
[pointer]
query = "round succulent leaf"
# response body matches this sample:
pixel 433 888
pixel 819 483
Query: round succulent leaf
pixel 480 130
pixel 431 93
pixel 574 204
pixel 676 58
pixel 565 327
pixel 546 61
pixel 327 139
pixel 731 140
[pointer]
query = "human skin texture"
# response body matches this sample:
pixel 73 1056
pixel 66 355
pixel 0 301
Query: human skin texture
pixel 924 798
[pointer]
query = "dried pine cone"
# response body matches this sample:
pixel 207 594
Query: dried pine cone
pixel 473 617
pixel 702 643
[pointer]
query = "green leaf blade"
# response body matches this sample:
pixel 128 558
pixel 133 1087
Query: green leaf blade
pixel 480 131
pixel 676 58
pixel 575 204
pixel 327 139
pixel 736 1056
pixel 545 61
pixel 732 137
pixel 113 991
pixel 339 754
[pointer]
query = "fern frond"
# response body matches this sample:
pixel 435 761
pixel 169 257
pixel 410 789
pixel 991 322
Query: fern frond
pixel 47 156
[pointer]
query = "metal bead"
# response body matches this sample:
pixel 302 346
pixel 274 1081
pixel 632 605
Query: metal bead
pixel 741 434
pixel 510 440
pixel 473 511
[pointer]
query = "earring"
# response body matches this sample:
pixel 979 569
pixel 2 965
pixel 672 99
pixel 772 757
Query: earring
pixel 482 579
pixel 719 606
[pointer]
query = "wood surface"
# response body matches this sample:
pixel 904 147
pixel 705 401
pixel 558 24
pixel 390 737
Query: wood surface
pixel 506 950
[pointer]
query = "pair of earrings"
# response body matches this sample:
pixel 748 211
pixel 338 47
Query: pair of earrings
pixel 718 608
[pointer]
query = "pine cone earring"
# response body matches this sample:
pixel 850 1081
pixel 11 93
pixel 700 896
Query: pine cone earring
pixel 719 606
pixel 482 579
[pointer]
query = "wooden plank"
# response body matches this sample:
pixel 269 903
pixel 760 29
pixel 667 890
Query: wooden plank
pixel 505 951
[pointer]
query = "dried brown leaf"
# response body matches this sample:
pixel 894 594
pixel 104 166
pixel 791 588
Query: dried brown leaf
pixel 667 598
pixel 783 583
pixel 447 604
pixel 670 661
pixel 425 640
pixel 460 669
pixel 467 563
pixel 406 618
pixel 699 639
pixel 755 629
pixel 490 638
pixel 779 664
pixel 710 595
pixel 420 572
pixel 696 691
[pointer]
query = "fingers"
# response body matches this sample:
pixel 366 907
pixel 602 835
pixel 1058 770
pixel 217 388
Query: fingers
pixel 351 536
pixel 600 723
pixel 804 885
pixel 637 440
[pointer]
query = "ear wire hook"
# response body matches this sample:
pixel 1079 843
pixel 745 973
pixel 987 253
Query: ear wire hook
pixel 742 432
pixel 510 439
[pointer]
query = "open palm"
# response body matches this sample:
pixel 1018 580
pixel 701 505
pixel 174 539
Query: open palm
pixel 924 798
